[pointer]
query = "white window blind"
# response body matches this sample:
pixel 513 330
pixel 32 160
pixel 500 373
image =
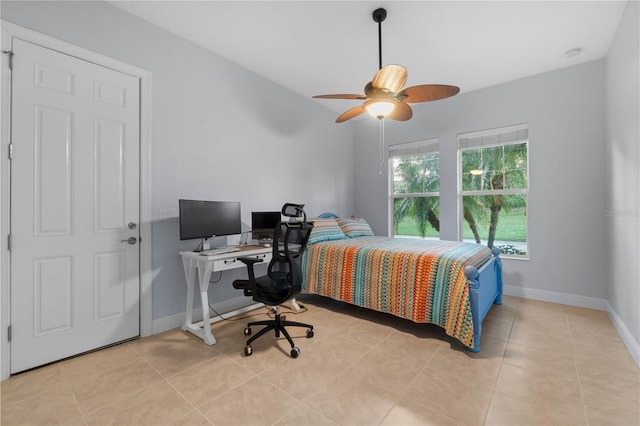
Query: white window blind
pixel 414 148
pixel 504 136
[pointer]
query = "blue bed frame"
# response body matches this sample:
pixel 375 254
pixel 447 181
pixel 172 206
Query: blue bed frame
pixel 485 289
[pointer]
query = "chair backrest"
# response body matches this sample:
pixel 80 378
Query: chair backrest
pixel 289 241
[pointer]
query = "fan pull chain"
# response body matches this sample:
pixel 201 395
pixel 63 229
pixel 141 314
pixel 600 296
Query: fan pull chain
pixel 381 145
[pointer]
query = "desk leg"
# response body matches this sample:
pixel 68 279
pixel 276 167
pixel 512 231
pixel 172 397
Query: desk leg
pixel 205 276
pixel 191 266
pixel 189 275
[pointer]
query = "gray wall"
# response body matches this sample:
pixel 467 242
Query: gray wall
pixel 220 132
pixel 622 205
pixel 565 113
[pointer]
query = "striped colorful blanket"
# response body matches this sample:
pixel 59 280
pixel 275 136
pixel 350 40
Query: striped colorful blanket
pixel 420 280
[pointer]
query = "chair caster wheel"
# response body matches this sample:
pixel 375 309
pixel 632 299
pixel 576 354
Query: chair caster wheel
pixel 295 352
pixel 248 351
pixel 247 331
pixel 309 333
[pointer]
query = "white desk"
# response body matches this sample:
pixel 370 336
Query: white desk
pixel 204 266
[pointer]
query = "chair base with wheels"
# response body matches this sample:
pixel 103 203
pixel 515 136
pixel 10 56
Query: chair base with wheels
pixel 278 324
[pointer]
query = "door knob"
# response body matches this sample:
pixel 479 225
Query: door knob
pixel 130 240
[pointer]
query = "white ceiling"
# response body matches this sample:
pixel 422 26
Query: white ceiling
pixel 321 47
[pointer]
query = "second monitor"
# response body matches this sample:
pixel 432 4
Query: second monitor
pixel 263 225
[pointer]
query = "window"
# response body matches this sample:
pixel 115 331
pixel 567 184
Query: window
pixel 494 182
pixel 415 189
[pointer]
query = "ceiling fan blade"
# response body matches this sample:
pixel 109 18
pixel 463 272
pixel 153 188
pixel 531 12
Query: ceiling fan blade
pixel 390 78
pixel 353 112
pixel 427 92
pixel 402 112
pixel 341 96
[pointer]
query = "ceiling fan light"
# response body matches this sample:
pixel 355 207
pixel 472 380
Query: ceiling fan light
pixel 380 109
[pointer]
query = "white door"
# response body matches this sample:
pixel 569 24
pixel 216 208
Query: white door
pixel 74 205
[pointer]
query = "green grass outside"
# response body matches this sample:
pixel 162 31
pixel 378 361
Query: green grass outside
pixel 511 227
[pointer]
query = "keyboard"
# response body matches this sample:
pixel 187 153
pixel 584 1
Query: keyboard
pixel 219 250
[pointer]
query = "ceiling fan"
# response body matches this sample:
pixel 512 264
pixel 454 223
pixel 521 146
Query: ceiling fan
pixel 383 95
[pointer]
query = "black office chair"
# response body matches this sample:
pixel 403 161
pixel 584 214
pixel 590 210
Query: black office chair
pixel 284 276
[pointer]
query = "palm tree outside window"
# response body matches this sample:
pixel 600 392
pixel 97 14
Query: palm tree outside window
pixel 494 181
pixel 415 189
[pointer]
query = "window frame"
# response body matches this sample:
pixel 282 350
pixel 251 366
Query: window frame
pixel 493 133
pixel 391 196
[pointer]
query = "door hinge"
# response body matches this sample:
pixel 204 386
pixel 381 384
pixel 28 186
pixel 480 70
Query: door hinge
pixel 9 242
pixel 10 151
pixel 10 53
pixel 9 333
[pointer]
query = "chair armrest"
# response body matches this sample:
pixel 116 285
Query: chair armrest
pixel 247 285
pixel 250 261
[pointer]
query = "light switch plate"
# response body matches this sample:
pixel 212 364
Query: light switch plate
pixel 168 214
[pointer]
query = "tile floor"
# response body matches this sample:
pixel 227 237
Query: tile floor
pixel 540 364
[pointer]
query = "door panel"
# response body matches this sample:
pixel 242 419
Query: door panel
pixel 75 187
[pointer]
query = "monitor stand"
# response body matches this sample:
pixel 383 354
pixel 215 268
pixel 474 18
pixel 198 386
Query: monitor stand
pixel 204 245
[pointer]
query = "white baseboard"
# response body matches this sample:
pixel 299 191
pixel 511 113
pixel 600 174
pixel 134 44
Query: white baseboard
pixel 227 308
pixel 555 297
pixel 625 334
pixel 583 302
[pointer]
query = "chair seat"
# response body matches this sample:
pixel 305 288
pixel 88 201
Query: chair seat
pixel 272 290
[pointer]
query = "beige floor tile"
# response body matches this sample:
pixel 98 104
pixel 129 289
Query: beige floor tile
pixel 203 382
pixel 410 413
pixel 451 396
pixel 610 393
pixel 506 313
pixel 159 342
pixel 96 390
pixel 477 368
pixel 410 346
pixel 544 390
pixel 41 381
pixel 540 310
pixel 607 352
pixel 99 361
pixel 382 370
pixel 585 317
pixel 366 332
pixel 558 364
pixel 608 380
pixel 505 410
pixel 349 401
pixel 541 324
pixel 537 338
pixel 255 402
pixel 607 408
pixel 328 324
pixel 539 364
pixel 153 405
pixel 55 407
pixel 496 328
pixel 315 368
pixel 305 415
pixel 178 357
pixel 193 418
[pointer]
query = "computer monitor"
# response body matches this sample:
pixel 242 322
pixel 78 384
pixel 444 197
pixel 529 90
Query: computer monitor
pixel 206 219
pixel 263 225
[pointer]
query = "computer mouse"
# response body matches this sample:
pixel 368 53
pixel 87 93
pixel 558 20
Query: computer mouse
pixel 266 245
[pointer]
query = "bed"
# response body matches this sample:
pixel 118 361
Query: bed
pixel 448 283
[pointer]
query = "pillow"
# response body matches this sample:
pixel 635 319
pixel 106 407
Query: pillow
pixel 355 227
pixel 325 230
pixel 328 215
